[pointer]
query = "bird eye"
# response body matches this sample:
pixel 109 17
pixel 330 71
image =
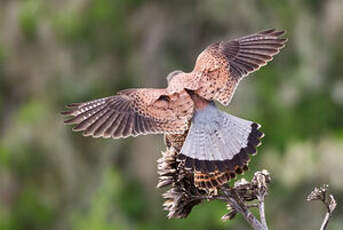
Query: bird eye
pixel 164 98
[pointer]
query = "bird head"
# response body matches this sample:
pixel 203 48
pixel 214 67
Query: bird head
pixel 173 74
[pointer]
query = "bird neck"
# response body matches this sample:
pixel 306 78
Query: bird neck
pixel 199 102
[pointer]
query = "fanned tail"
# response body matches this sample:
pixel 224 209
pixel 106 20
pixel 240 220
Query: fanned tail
pixel 218 146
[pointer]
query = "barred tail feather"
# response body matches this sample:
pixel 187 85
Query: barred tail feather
pixel 215 179
pixel 218 145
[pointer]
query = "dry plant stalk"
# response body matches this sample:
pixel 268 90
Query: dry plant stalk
pixel 327 199
pixel 183 195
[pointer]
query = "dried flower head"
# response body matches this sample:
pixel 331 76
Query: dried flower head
pixel 318 193
pixel 182 195
pixel 321 194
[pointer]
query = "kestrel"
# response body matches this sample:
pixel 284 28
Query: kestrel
pixel 213 144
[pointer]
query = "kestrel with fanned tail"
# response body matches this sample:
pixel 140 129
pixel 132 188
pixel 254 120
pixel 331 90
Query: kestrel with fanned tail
pixel 211 143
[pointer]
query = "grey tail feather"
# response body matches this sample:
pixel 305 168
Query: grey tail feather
pixel 218 141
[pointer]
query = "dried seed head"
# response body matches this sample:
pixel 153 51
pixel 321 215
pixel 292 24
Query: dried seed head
pixel 182 195
pixel 322 195
pixel 318 193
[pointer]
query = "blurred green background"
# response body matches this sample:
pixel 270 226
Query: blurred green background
pixel 54 53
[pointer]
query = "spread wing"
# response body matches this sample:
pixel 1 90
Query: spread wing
pixel 221 66
pixel 132 112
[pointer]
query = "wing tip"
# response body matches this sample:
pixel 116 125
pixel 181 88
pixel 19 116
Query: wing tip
pixel 67 113
pixel 73 105
pixel 273 32
pixel 69 121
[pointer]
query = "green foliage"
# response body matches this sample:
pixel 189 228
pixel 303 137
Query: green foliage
pixel 29 16
pixel 30 211
pixel 102 206
pixel 4 156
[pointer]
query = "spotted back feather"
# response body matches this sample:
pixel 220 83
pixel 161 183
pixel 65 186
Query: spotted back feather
pixel 221 66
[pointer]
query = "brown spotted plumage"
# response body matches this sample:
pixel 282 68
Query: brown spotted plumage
pixel 220 67
pixel 132 112
pixel 215 146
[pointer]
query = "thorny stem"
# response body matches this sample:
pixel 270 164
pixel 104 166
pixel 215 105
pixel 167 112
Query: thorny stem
pixel 327 215
pixel 330 205
pixel 262 190
pixel 236 203
pixel 261 210
pixel 325 221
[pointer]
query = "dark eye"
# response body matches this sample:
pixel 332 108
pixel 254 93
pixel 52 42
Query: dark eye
pixel 164 98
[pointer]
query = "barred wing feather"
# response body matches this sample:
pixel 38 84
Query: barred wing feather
pixel 132 112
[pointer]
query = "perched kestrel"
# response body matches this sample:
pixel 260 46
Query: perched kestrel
pixel 213 144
